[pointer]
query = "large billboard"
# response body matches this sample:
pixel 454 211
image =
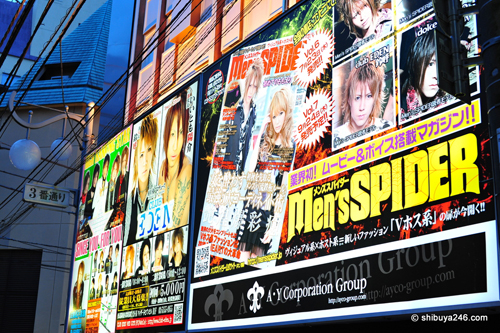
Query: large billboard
pixel 98 248
pixel 341 180
pixel 155 238
pixel 131 252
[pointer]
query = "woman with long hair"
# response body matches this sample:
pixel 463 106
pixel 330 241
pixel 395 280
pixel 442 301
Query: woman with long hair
pixel 275 147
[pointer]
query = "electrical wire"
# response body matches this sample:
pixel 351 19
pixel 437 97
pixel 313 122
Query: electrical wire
pixel 18 215
pixel 41 246
pixel 17 66
pixel 12 174
pixel 182 61
pixel 247 9
pixel 14 18
pixel 46 266
pixel 63 32
pixel 9 198
pixel 153 47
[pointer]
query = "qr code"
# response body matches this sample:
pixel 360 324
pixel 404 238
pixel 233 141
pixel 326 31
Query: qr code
pixel 202 261
pixel 178 313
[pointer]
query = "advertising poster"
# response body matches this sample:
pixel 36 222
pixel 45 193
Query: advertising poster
pixel 94 296
pixel 363 89
pixel 409 10
pixel 359 24
pixel 357 283
pixel 79 295
pixel 212 89
pixel 380 198
pixel 260 127
pixel 155 251
pixel 419 91
pixel 96 273
pixel 105 184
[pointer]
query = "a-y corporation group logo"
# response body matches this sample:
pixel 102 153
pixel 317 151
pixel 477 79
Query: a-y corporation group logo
pixel 254 295
pixel 217 299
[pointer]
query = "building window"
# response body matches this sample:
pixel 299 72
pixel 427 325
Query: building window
pixel 151 14
pixel 53 71
pixel 206 10
pixel 148 58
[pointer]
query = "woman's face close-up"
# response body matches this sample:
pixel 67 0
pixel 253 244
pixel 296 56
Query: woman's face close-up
pixel 145 157
pixel 362 16
pixel 278 120
pixel 429 83
pixel 145 256
pixel 175 142
pixel 361 106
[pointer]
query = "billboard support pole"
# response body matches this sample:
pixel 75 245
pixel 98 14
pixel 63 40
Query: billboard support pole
pixel 87 133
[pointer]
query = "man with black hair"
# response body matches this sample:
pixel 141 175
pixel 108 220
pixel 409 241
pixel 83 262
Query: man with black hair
pixel 110 194
pixel 109 261
pixel 106 291
pixel 114 285
pixel 99 204
pixel 92 290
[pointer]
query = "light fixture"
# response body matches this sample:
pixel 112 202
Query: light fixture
pixel 25 154
pixel 61 149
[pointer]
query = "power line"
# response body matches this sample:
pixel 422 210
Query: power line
pixel 13 174
pixel 153 47
pixel 9 198
pixel 63 32
pixel 14 18
pixel 139 59
pixel 185 54
pixel 15 69
pixel 45 266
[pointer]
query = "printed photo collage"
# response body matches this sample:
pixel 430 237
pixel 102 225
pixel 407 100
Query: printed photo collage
pixel 385 71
